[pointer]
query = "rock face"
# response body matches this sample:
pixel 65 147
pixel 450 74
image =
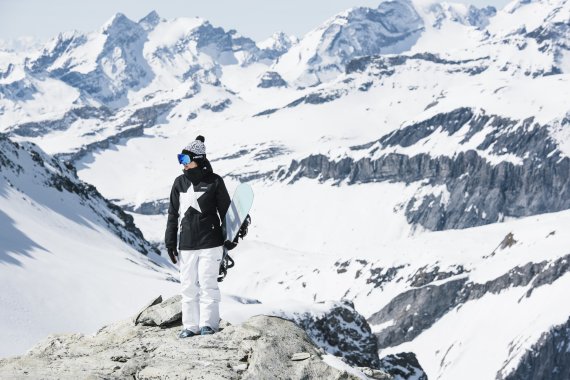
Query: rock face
pixel 549 358
pixel 21 163
pixel 156 207
pixel 403 366
pixel 120 65
pixel 419 308
pixel 271 79
pixel 344 332
pixel 35 129
pixel 147 347
pixel 531 177
pixel 261 347
pixel 141 119
pixel 478 17
pixel 393 27
pixel 379 66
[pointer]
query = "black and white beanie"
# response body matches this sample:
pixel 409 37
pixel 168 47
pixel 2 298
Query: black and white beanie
pixel 196 149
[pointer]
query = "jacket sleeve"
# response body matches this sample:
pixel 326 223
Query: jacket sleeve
pixel 222 200
pixel 171 235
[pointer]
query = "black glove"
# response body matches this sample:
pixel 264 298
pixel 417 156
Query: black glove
pixel 229 245
pixel 243 229
pixel 172 252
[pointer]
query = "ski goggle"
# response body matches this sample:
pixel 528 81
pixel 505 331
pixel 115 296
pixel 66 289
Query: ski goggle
pixel 184 159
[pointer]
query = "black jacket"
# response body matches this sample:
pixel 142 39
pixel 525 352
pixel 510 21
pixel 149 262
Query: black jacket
pixel 199 228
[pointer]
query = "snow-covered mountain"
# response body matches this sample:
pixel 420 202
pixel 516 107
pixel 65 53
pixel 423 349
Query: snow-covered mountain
pixel 475 303
pixel 323 53
pixel 413 158
pixel 64 248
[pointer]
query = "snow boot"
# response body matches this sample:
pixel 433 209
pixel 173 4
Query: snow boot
pixel 186 334
pixel 206 330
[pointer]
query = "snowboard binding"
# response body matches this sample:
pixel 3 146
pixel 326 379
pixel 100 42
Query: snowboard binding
pixel 227 262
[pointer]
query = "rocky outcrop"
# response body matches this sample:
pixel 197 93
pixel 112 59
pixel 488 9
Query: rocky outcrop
pixel 20 90
pixel 343 332
pixel 223 46
pixel 423 276
pixel 157 207
pixel 417 309
pixel 478 17
pixel 219 106
pixel 548 359
pixel 530 175
pixel 147 347
pixel 270 152
pixel 319 97
pixel 384 66
pixel 160 313
pixel 276 45
pixel 40 128
pixel 262 347
pixel 403 366
pixel 63 177
pixel 134 126
pixel 271 79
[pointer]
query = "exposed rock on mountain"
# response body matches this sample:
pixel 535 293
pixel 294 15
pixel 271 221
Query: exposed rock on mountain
pixel 134 126
pixel 476 190
pixel 417 309
pixel 261 347
pixel 276 45
pixel 403 366
pixel 35 129
pixel 549 358
pixel 22 164
pixel 271 79
pixel 467 15
pixel 391 28
pixel 343 332
pixel 119 64
pixel 378 66
pixel 460 113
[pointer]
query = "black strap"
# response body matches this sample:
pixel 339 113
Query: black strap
pixel 226 263
pixel 230 263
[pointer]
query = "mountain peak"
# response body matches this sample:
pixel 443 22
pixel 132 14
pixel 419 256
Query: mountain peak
pixel 393 27
pixel 278 41
pixel 149 21
pixel 464 14
pixel 118 22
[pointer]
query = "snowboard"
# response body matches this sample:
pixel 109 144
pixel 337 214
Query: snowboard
pixel 235 216
pixel 238 210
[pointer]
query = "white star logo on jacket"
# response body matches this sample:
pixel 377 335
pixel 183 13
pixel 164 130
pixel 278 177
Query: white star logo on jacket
pixel 189 199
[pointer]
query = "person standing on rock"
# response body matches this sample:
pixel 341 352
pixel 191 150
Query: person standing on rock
pixel 199 200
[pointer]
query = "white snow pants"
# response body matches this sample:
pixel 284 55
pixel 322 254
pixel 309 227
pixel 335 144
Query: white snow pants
pixel 199 271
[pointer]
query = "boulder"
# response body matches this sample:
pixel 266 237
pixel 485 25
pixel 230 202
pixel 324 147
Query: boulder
pixel 261 347
pixel 161 313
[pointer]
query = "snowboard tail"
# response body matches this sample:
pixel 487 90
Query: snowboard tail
pixel 235 216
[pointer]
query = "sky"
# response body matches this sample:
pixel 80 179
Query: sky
pixel 257 19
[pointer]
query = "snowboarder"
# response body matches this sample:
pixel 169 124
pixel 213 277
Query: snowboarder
pixel 199 200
